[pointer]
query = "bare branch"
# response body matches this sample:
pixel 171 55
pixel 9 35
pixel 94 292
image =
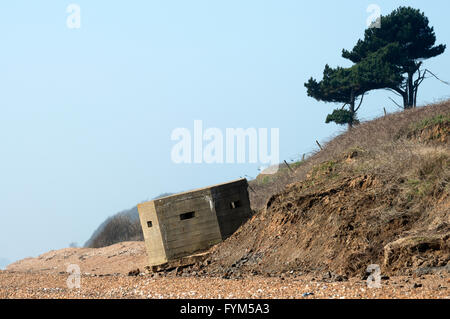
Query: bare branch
pixel 435 76
pixel 360 102
pixel 393 91
pixel 398 90
pixel 398 105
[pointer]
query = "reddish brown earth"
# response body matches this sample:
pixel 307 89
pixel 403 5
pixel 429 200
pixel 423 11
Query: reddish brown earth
pixel 344 227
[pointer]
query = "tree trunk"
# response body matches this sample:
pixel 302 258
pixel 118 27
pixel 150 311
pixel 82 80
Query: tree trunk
pixel 415 96
pixel 410 91
pixel 352 110
pixel 405 100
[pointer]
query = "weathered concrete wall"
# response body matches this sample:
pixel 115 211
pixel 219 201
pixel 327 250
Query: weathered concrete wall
pixel 182 237
pixel 232 206
pixel 152 235
pixel 193 221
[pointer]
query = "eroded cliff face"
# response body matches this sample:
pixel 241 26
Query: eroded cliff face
pixel 376 195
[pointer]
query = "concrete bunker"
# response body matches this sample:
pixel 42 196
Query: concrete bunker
pixel 182 224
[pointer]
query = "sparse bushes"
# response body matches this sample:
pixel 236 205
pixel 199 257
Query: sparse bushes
pixel 434 120
pixel 123 226
pixel 430 175
pixel 117 229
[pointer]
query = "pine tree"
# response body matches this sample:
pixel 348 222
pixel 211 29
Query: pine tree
pixel 408 29
pixel 349 85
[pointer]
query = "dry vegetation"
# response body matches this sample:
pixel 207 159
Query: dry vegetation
pixel 385 142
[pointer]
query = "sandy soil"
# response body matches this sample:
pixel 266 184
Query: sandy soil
pixel 115 259
pixel 51 285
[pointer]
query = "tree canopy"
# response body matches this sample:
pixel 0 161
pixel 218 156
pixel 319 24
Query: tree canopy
pixel 389 57
pixel 348 85
pixel 409 30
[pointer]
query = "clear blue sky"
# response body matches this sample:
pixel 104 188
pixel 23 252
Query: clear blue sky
pixel 86 114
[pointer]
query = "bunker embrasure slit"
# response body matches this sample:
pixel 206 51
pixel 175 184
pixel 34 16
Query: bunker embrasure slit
pixel 187 215
pixel 235 204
